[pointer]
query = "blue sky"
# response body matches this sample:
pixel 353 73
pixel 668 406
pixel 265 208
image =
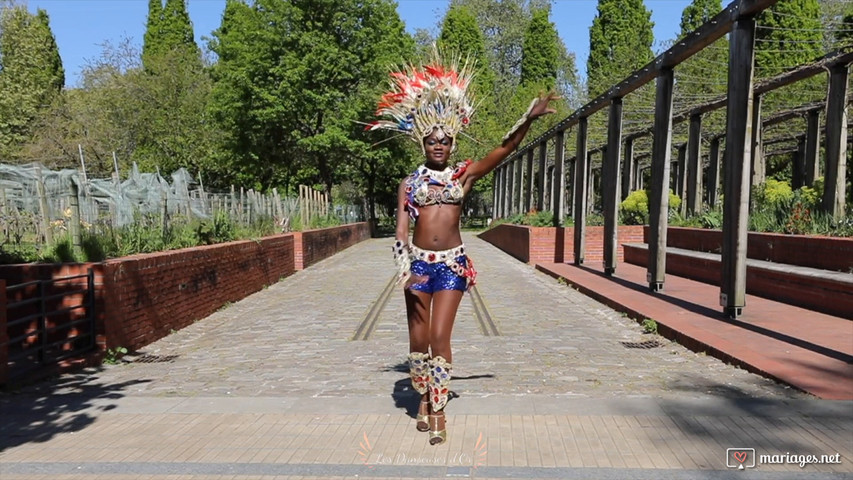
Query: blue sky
pixel 80 26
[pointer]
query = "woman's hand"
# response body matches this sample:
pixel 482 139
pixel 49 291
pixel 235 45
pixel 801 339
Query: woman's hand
pixel 543 105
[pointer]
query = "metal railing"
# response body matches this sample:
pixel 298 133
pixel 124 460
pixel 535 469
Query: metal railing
pixel 43 328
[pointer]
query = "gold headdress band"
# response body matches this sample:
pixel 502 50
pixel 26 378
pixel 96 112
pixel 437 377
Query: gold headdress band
pixel 432 97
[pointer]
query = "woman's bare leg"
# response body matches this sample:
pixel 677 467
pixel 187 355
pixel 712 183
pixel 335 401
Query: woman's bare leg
pixel 444 306
pixel 445 303
pixel 418 313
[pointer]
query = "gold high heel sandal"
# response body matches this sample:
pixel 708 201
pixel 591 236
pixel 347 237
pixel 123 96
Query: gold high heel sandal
pixel 437 428
pixel 423 415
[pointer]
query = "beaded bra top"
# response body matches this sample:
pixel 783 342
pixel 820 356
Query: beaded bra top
pixel 419 193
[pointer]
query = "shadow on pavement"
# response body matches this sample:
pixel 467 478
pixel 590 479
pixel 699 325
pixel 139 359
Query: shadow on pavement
pixel 66 404
pixel 733 418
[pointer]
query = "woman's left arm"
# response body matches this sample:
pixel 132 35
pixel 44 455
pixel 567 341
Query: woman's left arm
pixel 540 107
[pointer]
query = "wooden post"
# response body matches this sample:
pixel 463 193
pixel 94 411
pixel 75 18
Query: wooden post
pixel 836 144
pixel 580 186
pixel 798 166
pixel 629 170
pixel 83 165
pixel 164 211
pixel 757 157
pixel 694 165
pixel 559 192
pixel 74 223
pixel 495 177
pixel 506 190
pixel 44 210
pixel 540 181
pixel 4 209
pixel 659 199
pixel 812 147
pixel 518 195
pixel 610 195
pixel 714 172
pixel 529 182
pixel 241 206
pixel 736 183
pixel 681 177
pixel 590 186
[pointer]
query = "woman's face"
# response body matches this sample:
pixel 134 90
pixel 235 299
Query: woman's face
pixel 437 147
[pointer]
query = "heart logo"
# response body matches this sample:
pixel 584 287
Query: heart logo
pixel 740 456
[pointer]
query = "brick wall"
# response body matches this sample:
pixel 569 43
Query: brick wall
pixel 142 298
pixel 315 245
pixel 828 253
pixel 148 296
pixel 550 244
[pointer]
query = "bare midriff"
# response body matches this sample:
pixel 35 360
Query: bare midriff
pixel 437 227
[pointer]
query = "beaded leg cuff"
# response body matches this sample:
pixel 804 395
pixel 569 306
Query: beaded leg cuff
pixel 439 382
pixel 419 371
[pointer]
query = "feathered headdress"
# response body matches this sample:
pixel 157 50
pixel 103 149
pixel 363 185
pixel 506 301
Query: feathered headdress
pixel 434 96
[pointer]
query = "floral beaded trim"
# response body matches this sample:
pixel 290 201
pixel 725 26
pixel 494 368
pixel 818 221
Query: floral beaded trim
pixel 419 371
pixel 439 382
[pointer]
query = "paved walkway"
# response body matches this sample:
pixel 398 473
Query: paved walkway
pixel 306 379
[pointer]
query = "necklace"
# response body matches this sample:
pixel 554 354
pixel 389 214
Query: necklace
pixel 443 176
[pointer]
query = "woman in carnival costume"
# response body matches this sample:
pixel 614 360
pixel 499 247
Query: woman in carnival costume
pixel 432 105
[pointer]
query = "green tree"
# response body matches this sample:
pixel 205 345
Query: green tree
pixel 152 40
pixel 620 41
pixel 31 74
pixel 169 32
pixel 292 81
pixel 541 51
pixel 704 75
pixel 789 34
pixel 844 31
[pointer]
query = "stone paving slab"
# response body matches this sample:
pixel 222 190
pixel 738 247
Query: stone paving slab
pixel 274 387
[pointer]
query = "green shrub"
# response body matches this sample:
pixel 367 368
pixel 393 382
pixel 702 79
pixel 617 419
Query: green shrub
pixel 635 208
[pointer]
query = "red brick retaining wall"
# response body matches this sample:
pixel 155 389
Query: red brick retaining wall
pixel 551 244
pixel 142 298
pixel 827 253
pixel 315 245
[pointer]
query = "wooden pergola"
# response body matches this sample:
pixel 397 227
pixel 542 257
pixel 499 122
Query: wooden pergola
pixel 743 155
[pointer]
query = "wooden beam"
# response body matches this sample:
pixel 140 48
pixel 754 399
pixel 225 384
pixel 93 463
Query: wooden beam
pixel 836 144
pixel 694 166
pixel 559 192
pixel 579 190
pixel 529 182
pixel 693 42
pixel 737 158
pixel 495 193
pixel 812 148
pixel 518 193
pixel 659 200
pixel 610 185
pixel 540 182
pixel 757 165
pixel 629 170
pixel 714 172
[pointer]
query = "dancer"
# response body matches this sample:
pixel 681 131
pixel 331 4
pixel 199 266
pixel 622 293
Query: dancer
pixel 432 105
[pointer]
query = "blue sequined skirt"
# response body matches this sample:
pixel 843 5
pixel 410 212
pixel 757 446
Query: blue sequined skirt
pixel 440 276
